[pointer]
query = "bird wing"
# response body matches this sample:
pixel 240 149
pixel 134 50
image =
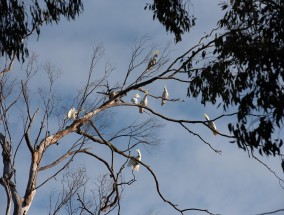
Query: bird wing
pixel 69 115
pixel 136 167
pixel 165 96
pixel 213 127
pixel 131 162
pixel 215 132
pixel 145 101
pixel 134 101
pixel 141 110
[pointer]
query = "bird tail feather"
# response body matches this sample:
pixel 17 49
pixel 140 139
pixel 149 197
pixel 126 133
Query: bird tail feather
pixel 141 110
pixel 136 168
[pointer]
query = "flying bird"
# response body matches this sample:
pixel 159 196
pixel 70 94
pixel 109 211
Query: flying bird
pixel 72 113
pixel 134 100
pixel 134 163
pixel 144 103
pixel 211 124
pixel 165 96
pixel 153 60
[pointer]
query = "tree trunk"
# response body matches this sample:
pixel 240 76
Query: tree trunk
pixel 20 206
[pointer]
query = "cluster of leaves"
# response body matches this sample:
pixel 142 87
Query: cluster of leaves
pixel 248 72
pixel 173 15
pixel 20 18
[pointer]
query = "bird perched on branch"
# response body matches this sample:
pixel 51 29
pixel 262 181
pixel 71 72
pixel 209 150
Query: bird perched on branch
pixel 111 95
pixel 153 60
pixel 165 96
pixel 72 113
pixel 144 102
pixel 134 100
pixel 211 124
pixel 134 163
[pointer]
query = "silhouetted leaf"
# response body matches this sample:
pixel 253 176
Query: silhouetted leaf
pixel 19 18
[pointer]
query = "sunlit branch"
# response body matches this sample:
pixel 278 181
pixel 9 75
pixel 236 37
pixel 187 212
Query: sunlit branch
pixel 28 141
pixel 5 184
pixel 64 166
pixel 59 160
pixel 9 68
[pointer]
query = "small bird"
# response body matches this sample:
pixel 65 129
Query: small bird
pixel 165 96
pixel 134 100
pixel 144 103
pixel 153 60
pixel 211 124
pixel 134 163
pixel 72 113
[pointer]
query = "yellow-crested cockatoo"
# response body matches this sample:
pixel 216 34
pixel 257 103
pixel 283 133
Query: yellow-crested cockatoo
pixel 211 124
pixel 165 96
pixel 153 60
pixel 134 100
pixel 72 113
pixel 144 102
pixel 133 163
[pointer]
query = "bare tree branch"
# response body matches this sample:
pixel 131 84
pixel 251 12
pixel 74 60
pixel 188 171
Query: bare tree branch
pixel 9 68
pixel 63 157
pixel 267 167
pixel 272 212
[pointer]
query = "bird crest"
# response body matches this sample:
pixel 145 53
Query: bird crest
pixel 206 116
pixel 136 95
pixel 156 52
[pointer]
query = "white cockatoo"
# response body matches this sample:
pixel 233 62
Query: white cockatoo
pixel 211 124
pixel 72 113
pixel 134 100
pixel 165 96
pixel 133 163
pixel 144 102
pixel 153 60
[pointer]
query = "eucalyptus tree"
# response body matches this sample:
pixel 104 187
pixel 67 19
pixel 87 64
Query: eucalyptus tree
pixel 82 127
pixel 243 70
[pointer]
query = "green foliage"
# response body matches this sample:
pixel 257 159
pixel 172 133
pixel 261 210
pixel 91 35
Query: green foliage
pixel 19 19
pixel 248 72
pixel 173 15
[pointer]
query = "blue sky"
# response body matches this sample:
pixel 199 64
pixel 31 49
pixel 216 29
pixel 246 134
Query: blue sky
pixel 191 175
